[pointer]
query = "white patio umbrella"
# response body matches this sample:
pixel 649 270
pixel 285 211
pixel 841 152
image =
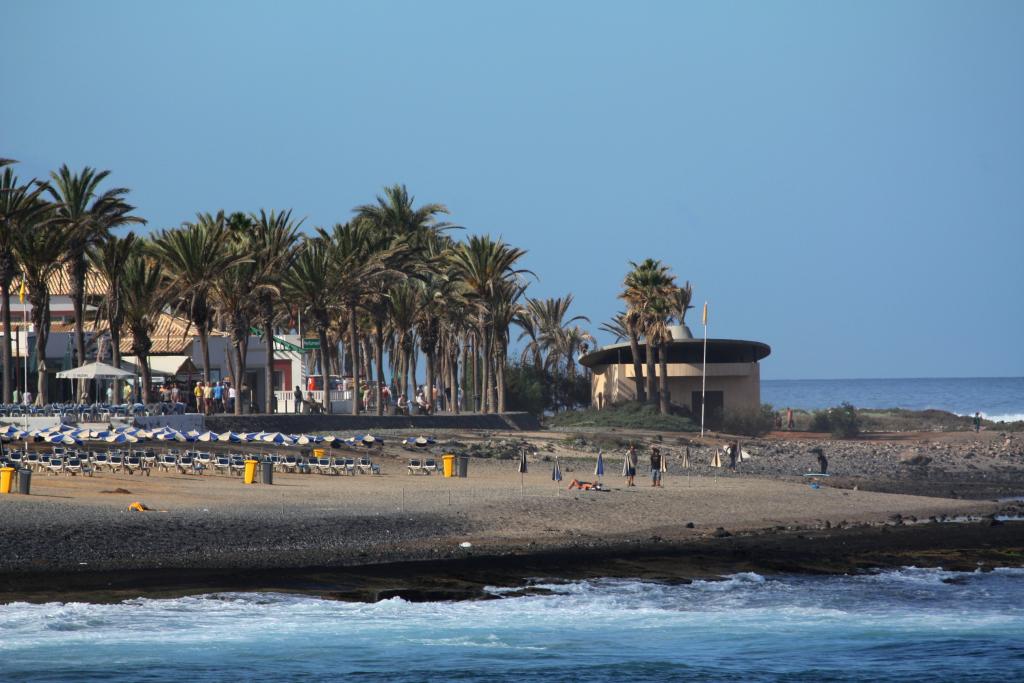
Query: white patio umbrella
pixel 208 436
pixel 94 371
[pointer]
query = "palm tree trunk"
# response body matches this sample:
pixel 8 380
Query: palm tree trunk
pixel 652 380
pixel 236 349
pixel 467 389
pixel 428 394
pixel 486 356
pixel 453 380
pixel 5 345
pixel 325 362
pixel 378 343
pixel 663 362
pixel 41 320
pixel 78 268
pixel 499 363
pixel 115 351
pixel 638 373
pixel 354 343
pixel 204 343
pixel 492 379
pixel 478 386
pixel 268 335
pixel 147 378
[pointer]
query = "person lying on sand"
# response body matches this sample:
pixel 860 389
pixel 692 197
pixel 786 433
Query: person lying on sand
pixel 586 485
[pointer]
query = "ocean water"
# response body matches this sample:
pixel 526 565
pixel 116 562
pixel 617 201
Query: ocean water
pixel 902 625
pixel 997 398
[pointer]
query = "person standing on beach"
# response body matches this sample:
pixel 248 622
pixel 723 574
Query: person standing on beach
pixel 822 460
pixel 977 422
pixel 655 467
pixel 297 395
pixel 789 419
pixel 631 462
pixel 734 452
pixel 198 393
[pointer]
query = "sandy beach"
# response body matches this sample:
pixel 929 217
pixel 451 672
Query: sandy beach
pixel 81 527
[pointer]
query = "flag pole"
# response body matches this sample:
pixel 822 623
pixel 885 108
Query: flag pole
pixel 704 370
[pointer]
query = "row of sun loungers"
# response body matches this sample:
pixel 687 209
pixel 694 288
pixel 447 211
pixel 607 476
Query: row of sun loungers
pixel 71 462
pixel 418 466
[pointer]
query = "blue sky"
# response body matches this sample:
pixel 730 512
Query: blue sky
pixel 840 180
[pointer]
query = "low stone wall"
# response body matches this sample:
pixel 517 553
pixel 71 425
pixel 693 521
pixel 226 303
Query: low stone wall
pixel 300 424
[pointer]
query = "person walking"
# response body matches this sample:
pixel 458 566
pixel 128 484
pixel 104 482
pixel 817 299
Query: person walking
pixel 630 465
pixel 232 397
pixel 822 462
pixel 198 394
pixel 297 396
pixel 655 467
pixel 789 419
pixel 977 422
pixel 734 452
pixel 218 397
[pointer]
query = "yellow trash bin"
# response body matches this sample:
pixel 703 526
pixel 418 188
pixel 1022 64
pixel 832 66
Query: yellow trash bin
pixel 250 471
pixel 319 453
pixel 6 479
pixel 449 464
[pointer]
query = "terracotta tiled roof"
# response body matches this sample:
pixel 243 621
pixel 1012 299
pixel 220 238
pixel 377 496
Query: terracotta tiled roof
pixel 172 335
pixel 60 283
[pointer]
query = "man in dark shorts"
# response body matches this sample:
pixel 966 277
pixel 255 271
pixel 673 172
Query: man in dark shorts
pixel 655 466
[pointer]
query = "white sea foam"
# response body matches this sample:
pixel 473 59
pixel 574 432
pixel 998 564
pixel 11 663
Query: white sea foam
pixel 999 417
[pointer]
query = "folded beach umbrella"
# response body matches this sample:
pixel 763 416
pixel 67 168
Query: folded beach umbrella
pixel 522 469
pixel 230 437
pixel 193 433
pixel 716 459
pixel 208 436
pixel 556 472
pixel 279 439
pixel 18 434
pixel 686 458
pixel 120 438
pixel 599 467
pixel 62 438
pixel 10 430
pixel 303 439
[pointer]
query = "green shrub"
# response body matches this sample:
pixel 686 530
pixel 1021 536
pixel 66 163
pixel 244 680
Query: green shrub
pixel 842 421
pixel 820 422
pixel 749 422
pixel 631 415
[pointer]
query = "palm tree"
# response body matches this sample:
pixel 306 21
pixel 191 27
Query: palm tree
pixel 19 205
pixel 110 259
pixel 645 288
pixel 274 237
pixel 144 293
pixel 88 218
pixel 38 247
pixel 195 255
pixel 394 214
pixel 485 264
pixel 504 308
pixel 617 327
pixel 416 231
pixel 235 292
pixel 311 282
pixel 403 303
pixel 361 256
